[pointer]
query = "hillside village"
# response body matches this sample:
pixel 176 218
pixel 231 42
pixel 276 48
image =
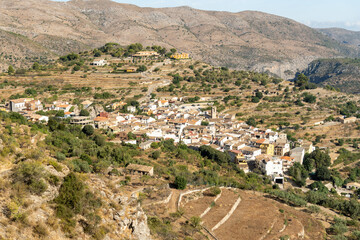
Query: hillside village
pixel 184 135
pixel 252 148
pixel 195 124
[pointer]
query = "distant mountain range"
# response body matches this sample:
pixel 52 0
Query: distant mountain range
pixel 245 40
pixel 342 35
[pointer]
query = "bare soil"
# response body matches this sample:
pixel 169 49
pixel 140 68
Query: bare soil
pixel 257 217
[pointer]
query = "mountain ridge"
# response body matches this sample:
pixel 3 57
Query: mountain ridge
pixel 244 40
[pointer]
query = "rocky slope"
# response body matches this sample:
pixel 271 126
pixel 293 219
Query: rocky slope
pixel 340 73
pixel 244 40
pixel 26 214
pixel 19 50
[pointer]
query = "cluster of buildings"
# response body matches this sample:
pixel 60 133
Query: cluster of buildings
pixel 29 106
pixel 249 147
pixel 138 56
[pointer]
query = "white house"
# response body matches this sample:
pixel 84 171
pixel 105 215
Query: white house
pixel 281 148
pixel 272 136
pixel 131 109
pixel 130 141
pixel 17 105
pixel 101 62
pixel 152 107
pixel 145 145
pixel 270 166
pixel 156 133
pixel 58 106
pixel 250 152
pixel 172 136
pixel 44 119
pixel 163 103
pixel 223 140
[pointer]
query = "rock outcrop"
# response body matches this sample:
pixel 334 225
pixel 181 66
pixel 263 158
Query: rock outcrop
pixel 131 220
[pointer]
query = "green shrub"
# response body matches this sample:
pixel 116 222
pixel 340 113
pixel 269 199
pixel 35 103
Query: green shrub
pixel 88 130
pixel 155 145
pixel 76 68
pixel 309 98
pixel 53 180
pixel 56 165
pixel 287 197
pixel 180 182
pixel 339 226
pixel 142 68
pixel 299 174
pixel 314 209
pixel 161 228
pixel 38 187
pixel 71 193
pixel 84 112
pixel 355 235
pixel 60 156
pixel 79 165
pixel 214 191
pixel 195 221
pixel 323 173
pixel 31 174
pixel 217 156
pixel 99 140
pixel 155 155
pixel 73 199
pixel 14 212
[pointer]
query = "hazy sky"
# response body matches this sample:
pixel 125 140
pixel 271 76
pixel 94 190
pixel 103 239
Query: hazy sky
pixel 315 13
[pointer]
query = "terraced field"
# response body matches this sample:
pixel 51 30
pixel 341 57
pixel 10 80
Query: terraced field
pixel 255 217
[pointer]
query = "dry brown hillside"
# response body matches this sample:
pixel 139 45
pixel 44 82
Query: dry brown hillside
pixel 240 40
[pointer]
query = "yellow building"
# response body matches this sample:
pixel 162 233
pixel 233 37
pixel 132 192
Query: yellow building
pixel 180 56
pixel 131 69
pixel 267 148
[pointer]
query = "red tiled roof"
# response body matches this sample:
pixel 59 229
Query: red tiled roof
pixel 100 119
pixel 260 141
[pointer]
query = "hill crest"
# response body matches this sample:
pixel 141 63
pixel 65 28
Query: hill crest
pixel 243 40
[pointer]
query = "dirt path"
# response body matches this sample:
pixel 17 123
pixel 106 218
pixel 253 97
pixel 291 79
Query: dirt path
pixel 173 201
pixel 147 75
pixel 152 87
